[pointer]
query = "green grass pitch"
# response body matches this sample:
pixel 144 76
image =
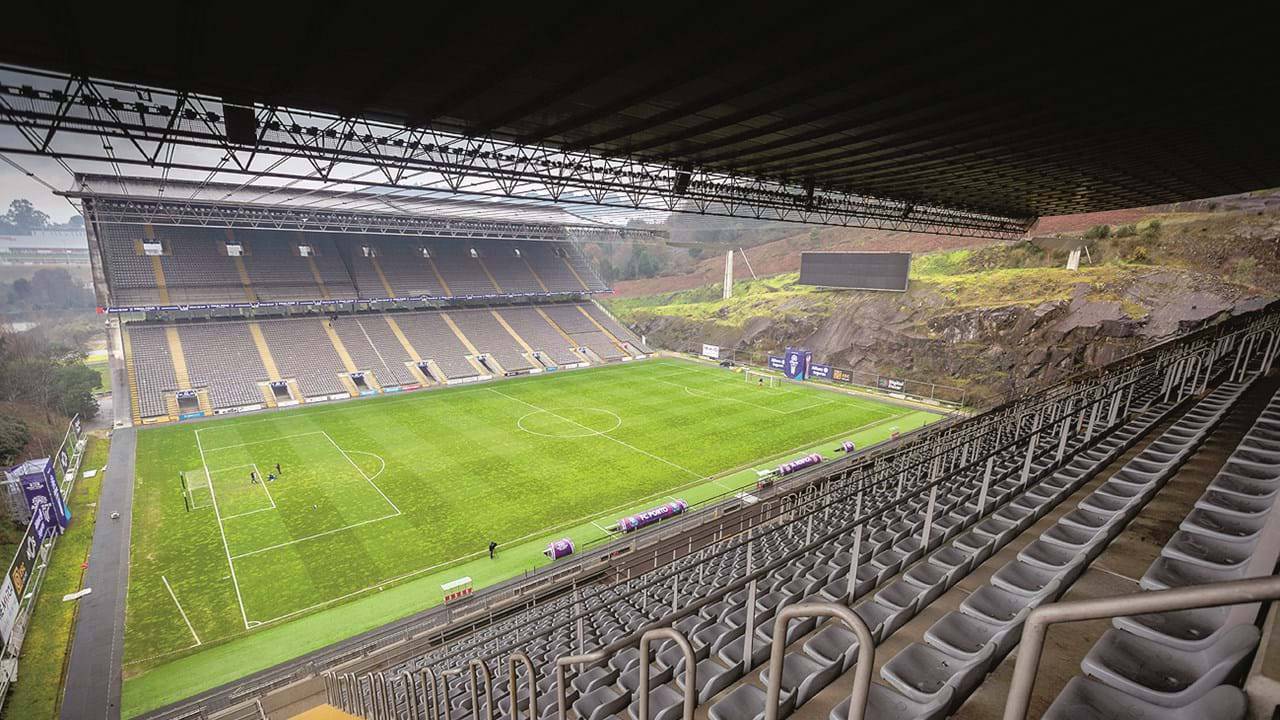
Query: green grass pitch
pixel 380 501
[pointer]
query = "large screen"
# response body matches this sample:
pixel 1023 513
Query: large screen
pixel 856 270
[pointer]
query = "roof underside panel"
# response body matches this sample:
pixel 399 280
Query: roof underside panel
pixel 923 102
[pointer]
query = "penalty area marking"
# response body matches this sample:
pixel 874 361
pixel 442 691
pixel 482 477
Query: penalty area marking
pixel 584 431
pixel 180 610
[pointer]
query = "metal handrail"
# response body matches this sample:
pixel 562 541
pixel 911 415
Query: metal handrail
pixel 512 661
pixel 862 670
pixel 690 670
pixel 1235 592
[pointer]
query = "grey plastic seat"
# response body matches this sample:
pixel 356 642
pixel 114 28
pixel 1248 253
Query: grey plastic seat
pixel 746 702
pixel 833 643
pixel 1024 579
pixel 997 606
pixel 1247 506
pixel 1189 630
pixel 1161 675
pixel 1064 563
pixel 1206 550
pixel 1086 699
pixel 1221 525
pixel 964 635
pixel 665 703
pixel 882 620
pixel 1167 572
pixel 884 703
pixel 802 676
pixel 600 703
pixel 921 672
pixel 712 678
pixel 930 580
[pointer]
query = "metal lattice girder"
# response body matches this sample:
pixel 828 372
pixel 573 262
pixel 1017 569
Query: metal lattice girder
pixel 292 145
pixel 134 211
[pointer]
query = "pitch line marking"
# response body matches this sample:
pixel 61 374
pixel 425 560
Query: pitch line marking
pixel 590 433
pixel 362 474
pixel 608 437
pixel 372 455
pixel 168 587
pixel 260 442
pixel 277 546
pixel 567 524
pixel 222 531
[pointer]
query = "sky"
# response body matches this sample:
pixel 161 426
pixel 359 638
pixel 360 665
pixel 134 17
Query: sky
pixel 15 184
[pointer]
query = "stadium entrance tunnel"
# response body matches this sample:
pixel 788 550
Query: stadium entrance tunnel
pixel 569 422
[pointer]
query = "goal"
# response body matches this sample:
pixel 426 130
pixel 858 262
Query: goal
pixel 196 493
pixel 759 378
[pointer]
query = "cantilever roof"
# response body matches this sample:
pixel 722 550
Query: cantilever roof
pixel 1015 110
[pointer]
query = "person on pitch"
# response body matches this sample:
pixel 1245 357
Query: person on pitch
pixel 493 548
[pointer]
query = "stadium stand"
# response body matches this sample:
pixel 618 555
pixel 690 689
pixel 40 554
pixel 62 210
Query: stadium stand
pixel 490 338
pixel 303 352
pixel 195 267
pixel 152 365
pixel 541 335
pixel 573 320
pixel 615 328
pixel 435 341
pixel 222 357
pixel 374 347
pixel 1091 473
pixel 309 351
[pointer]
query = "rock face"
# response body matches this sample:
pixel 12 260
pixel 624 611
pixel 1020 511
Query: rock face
pixel 990 351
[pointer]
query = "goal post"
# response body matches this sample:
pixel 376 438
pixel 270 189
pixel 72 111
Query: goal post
pixel 195 489
pixel 754 377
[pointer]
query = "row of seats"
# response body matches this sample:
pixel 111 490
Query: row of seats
pixel 892 541
pixel 900 600
pixel 195 266
pixel 224 357
pixel 937 675
pixel 1178 664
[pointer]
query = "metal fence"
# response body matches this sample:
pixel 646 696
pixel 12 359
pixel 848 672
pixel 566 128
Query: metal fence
pixel 73 445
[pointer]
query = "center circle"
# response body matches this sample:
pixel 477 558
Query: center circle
pixel 574 422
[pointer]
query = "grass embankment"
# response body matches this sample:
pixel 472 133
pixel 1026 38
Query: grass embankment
pixel 38 692
pixel 997 276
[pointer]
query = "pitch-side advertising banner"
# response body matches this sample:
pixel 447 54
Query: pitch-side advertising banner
pixel 711 351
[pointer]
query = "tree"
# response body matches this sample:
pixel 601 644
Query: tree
pixel 24 217
pixel 14 436
pixel 73 390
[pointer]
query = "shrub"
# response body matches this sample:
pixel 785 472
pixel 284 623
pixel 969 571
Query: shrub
pixel 1098 232
pixel 1126 231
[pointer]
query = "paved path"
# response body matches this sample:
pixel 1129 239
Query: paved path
pixel 93 675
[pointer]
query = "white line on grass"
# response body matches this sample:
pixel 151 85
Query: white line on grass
pixel 567 524
pixel 362 473
pixel 608 437
pixel 259 551
pixel 180 610
pixel 260 442
pixel 222 531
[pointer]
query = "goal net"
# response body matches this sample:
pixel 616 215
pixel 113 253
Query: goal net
pixel 195 489
pixel 758 378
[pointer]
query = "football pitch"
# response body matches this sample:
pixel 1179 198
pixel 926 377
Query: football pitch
pixel 409 489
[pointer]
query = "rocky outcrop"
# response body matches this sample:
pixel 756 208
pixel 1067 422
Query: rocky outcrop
pixel 991 351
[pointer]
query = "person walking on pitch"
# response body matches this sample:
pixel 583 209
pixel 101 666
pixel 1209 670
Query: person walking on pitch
pixel 493 547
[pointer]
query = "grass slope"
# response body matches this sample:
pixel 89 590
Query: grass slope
pixel 410 489
pixel 38 692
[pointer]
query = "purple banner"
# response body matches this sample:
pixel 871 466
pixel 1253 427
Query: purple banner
pixel 802 463
pixel 40 486
pixel 797 363
pixel 776 362
pixel 559 548
pixel 821 372
pixel 648 517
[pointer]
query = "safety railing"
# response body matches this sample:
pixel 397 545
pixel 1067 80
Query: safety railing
pixel 1235 592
